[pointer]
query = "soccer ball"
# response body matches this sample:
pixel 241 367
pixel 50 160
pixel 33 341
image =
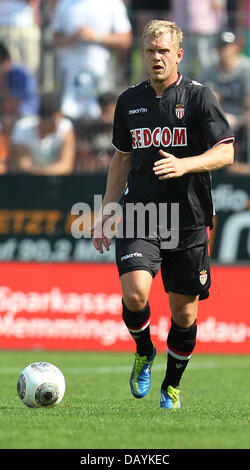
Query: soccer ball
pixel 41 384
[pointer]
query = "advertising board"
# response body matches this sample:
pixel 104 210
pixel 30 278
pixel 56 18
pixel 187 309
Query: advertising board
pixel 36 218
pixel 69 306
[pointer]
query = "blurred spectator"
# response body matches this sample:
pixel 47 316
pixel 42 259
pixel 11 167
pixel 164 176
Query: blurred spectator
pixel 229 79
pixel 201 22
pixel 18 97
pixel 20 31
pixel 85 33
pixel 95 149
pixel 18 86
pixel 44 144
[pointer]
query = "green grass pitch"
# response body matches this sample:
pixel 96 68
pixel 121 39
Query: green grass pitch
pixel 98 411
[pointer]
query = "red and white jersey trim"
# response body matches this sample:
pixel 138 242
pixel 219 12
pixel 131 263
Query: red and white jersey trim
pixel 179 79
pixel 227 139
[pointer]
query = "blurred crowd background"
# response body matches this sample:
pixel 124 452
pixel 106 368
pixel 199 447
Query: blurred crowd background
pixel 64 62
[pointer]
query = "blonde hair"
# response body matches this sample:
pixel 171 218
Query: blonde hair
pixel 158 27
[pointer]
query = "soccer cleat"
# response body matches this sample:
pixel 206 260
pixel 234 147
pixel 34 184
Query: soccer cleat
pixel 170 399
pixel 140 380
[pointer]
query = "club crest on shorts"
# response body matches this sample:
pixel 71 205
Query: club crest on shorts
pixel 179 110
pixel 203 277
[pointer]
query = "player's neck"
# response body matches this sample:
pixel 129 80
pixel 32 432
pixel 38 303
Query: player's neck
pixel 159 86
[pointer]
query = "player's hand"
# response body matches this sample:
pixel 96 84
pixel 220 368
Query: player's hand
pixel 99 236
pixel 169 167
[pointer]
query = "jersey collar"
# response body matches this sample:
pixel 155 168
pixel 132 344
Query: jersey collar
pixel 179 79
pixel 176 83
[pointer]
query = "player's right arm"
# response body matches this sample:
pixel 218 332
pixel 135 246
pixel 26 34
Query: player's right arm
pixel 116 185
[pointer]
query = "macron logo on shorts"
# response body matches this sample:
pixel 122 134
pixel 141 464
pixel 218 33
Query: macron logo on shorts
pixel 131 255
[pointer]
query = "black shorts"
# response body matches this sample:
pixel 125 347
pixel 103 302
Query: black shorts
pixel 184 269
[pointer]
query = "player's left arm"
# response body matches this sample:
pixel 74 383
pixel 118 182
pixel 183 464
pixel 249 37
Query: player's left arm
pixel 213 159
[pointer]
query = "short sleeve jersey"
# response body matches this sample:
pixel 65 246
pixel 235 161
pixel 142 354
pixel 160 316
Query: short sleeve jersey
pixel 185 121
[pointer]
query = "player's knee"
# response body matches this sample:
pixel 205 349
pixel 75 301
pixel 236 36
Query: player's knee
pixel 135 300
pixel 183 317
pixel 183 309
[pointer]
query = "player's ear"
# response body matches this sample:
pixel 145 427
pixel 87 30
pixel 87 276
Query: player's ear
pixel 179 55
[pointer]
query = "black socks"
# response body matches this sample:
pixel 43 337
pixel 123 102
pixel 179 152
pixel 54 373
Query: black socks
pixel 138 324
pixel 181 342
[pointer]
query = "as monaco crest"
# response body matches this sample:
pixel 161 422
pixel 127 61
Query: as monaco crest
pixel 179 111
pixel 203 277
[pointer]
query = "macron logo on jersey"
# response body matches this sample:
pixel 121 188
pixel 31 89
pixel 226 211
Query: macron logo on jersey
pixel 144 137
pixel 138 110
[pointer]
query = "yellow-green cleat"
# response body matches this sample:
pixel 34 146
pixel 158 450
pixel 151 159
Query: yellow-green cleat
pixel 170 399
pixel 140 380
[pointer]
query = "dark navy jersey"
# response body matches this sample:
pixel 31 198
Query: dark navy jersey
pixel 185 121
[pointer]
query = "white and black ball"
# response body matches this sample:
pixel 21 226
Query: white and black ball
pixel 41 384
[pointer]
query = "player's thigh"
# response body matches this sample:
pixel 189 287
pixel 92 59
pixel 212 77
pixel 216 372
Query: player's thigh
pixel 134 254
pixel 187 271
pixel 136 287
pixel 138 261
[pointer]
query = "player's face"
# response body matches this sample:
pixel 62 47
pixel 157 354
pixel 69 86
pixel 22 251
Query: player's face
pixel 161 59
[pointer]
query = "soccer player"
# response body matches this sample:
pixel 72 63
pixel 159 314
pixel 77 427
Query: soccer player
pixel 169 133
